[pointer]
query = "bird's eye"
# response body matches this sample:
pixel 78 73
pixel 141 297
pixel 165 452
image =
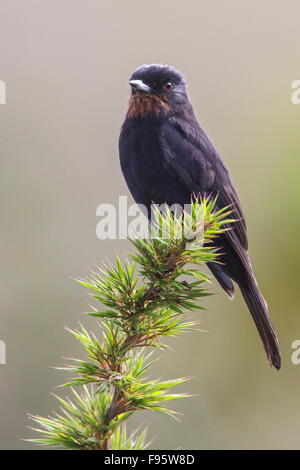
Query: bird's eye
pixel 168 86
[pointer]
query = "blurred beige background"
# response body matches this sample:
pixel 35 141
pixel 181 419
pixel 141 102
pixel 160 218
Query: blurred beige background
pixel 66 65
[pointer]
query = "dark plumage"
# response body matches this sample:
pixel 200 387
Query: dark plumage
pixel 166 156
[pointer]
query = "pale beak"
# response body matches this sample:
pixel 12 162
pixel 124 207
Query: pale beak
pixel 139 85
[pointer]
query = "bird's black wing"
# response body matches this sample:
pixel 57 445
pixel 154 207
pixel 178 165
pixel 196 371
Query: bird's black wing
pixel 190 155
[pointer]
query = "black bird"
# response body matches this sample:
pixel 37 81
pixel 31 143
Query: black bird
pixel 166 156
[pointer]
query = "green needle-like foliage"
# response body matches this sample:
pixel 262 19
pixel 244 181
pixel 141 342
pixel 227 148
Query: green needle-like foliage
pixel 141 307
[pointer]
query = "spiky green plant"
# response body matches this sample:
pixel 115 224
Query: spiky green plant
pixel 141 309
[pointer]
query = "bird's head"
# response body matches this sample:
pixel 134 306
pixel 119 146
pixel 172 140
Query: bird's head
pixel 156 89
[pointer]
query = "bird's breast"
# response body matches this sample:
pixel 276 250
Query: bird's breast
pixel 143 165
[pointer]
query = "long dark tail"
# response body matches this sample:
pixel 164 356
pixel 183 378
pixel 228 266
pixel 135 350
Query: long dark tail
pixel 259 311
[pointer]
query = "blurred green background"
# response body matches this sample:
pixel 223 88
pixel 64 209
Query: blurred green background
pixel 66 66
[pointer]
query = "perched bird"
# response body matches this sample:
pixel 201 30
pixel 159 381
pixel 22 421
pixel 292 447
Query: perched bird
pixel 166 156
